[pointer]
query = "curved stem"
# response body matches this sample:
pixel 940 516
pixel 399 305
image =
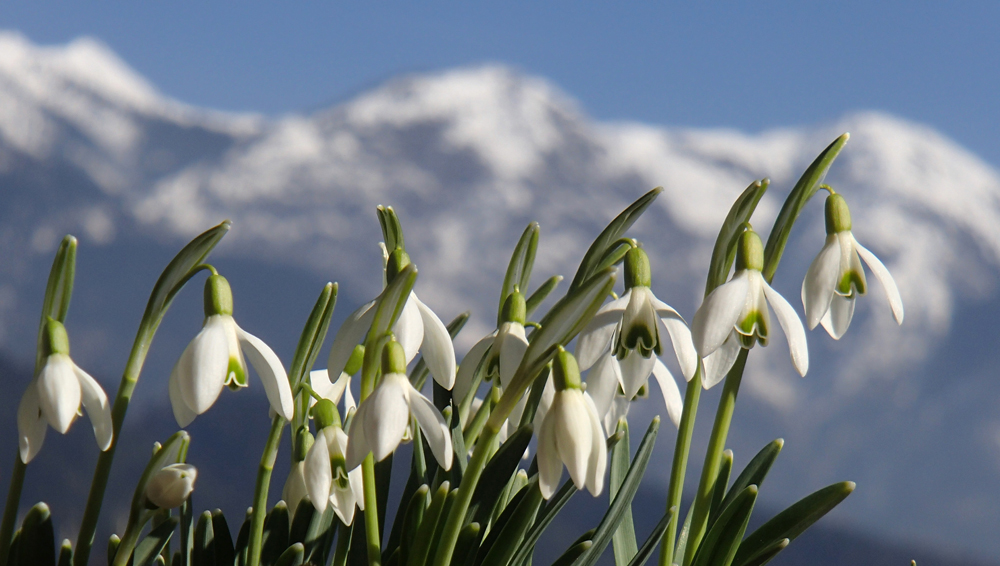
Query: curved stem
pixel 10 511
pixel 261 489
pixel 127 544
pixel 713 456
pixel 681 451
pixel 373 533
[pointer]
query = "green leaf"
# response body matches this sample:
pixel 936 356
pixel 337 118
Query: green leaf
pixel 276 531
pixel 630 484
pixel 150 547
pixel 411 520
pixel 304 515
pixel 292 556
pixel 391 302
pixel 224 551
pixel 392 231
pixel 720 543
pixel 466 546
pixel 573 553
pixel 545 517
pixel 608 238
pixel 721 483
pixel 65 553
pixel 428 526
pixel 683 536
pixel 522 515
pixel 791 522
pixel 181 268
pixel 242 539
pixel 804 189
pixel 167 454
pixel 319 535
pixel 187 531
pixel 312 337
pixel 37 543
pixel 755 471
pixel 113 543
pixel 58 290
pixel 497 473
pixel 653 540
pixel 624 543
pixel 724 252
pixel 520 265
pixel 204 541
pixel 615 254
pixel 765 555
pixel 541 293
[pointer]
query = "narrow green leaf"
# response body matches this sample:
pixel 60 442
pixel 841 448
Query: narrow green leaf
pixel 180 269
pixel 186 529
pixel 312 337
pixel 276 530
pixel 509 529
pixel 615 230
pixel 204 541
pixel 150 547
pixel 791 522
pixel 224 551
pixel 544 519
pixel 422 543
pixel 391 303
pixel 613 517
pixel 683 536
pixel 37 543
pixel 412 518
pixel 242 538
pixel 755 471
pixel 653 540
pixel 466 546
pixel 392 231
pixel 58 290
pixel 402 522
pixel 721 483
pixel 383 476
pixel 520 265
pixel 615 254
pixel 301 520
pixel 65 553
pixel 765 555
pixel 804 189
pixel 724 252
pixel 497 473
pixel 113 543
pixel 319 535
pixel 541 293
pixel 573 553
pixel 721 541
pixel 292 556
pixel 535 396
pixel 623 540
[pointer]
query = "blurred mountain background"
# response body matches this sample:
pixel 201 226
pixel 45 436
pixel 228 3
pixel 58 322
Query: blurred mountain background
pixel 468 157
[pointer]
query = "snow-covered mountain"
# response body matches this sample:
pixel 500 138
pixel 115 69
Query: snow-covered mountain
pixel 469 157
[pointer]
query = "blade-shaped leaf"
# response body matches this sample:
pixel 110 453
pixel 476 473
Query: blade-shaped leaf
pixel 573 553
pixel 58 290
pixel 204 541
pixel 180 269
pixel 520 265
pixel 630 485
pixel 719 545
pixel 724 252
pixel 391 302
pixel 65 553
pixel 624 538
pixel 467 545
pixel 721 483
pixel 392 231
pixel 791 522
pixel 615 230
pixel 422 543
pixel 497 473
pixel 769 552
pixel 37 543
pixel 276 530
pixel 541 293
pixel 224 550
pixel 311 339
pixel 653 540
pixel 685 530
pixel 804 189
pixel 545 517
pixel 150 547
pixel 522 516
pixel 292 556
pixel 755 471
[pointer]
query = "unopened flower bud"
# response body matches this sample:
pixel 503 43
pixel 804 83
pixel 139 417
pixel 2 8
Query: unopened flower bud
pixel 565 371
pixel 637 272
pixel 218 296
pixel 515 308
pixel 749 252
pixel 54 339
pixel 838 216
pixel 325 414
pixel 171 486
pixel 393 358
pixel 303 442
pixel 356 360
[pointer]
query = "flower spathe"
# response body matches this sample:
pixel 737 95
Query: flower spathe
pixel 215 359
pixel 735 315
pixel 381 420
pixel 172 485
pixel 835 278
pixel 571 434
pixel 55 395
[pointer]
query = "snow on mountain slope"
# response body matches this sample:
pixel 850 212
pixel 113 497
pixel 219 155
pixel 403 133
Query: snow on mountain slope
pixel 469 157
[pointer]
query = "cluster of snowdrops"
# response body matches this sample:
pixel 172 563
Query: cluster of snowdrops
pixel 477 492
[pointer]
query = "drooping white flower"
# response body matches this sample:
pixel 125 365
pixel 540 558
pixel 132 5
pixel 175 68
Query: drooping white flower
pixel 627 335
pixel 835 278
pixel 327 479
pixel 381 420
pixel 416 329
pixel 215 359
pixel 604 385
pixel 571 434
pixel 502 349
pixel 172 485
pixel 735 315
pixel 294 490
pixel 54 397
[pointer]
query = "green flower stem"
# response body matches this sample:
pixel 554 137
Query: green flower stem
pixel 10 511
pixel 260 491
pixel 372 531
pixel 127 544
pixel 681 451
pixel 713 456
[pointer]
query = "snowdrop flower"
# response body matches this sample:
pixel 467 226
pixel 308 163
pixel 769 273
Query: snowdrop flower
pixel 503 349
pixel 416 329
pixel 571 434
pixel 381 420
pixel 214 359
pixel 321 384
pixel 626 336
pixel 604 384
pixel 836 277
pixel 54 397
pixel 327 480
pixel 735 315
pixel 171 486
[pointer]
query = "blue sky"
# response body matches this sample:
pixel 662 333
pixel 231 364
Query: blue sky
pixel 744 65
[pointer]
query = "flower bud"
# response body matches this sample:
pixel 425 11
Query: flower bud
pixel 749 252
pixel 303 442
pixel 515 309
pixel 393 358
pixel 325 414
pixel 218 296
pixel 356 360
pixel 565 371
pixel 637 272
pixel 54 338
pixel 171 486
pixel 838 216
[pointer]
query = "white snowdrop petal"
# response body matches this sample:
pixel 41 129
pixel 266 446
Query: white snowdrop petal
pixel 271 372
pixel 680 337
pixel 202 376
pixel 437 347
pixel 717 315
pixel 595 338
pixel 409 328
pixel 597 463
pixel 602 382
pixel 182 413
pixel 512 350
pixel 549 464
pixel 838 317
pixel 718 364
pixel 572 433
pixel 885 278
pixel 792 326
pixel 671 393
pixel 820 281
pixel 358 446
pixel 317 472
pixel 59 392
pixel 387 416
pixel 351 333
pixel 432 424
pixel 95 403
pixel 31 424
pixel 635 372
pixel 467 369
